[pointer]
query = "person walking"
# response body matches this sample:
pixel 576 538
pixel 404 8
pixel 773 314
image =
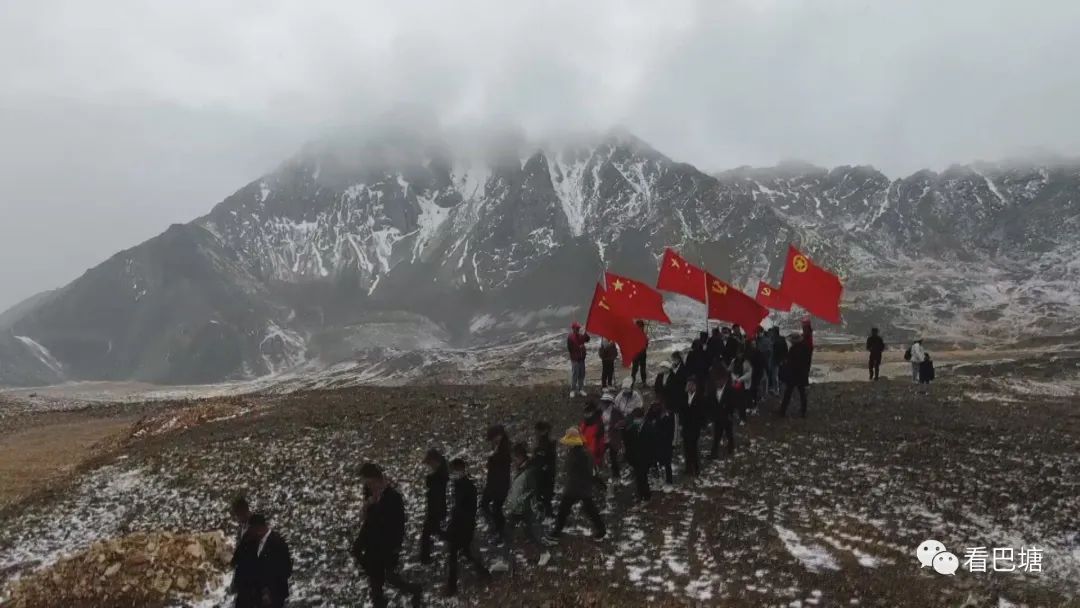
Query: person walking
pixel 263 566
pixel 497 483
pixel 915 355
pixel 696 412
pixel 779 356
pixel 637 368
pixel 797 370
pixel 544 453
pixel 724 402
pixel 609 352
pixel 640 452
pixel 435 483
pixel 377 549
pixel 614 422
pixel 462 526
pixel 577 488
pixel 662 422
pixel 521 504
pixel 875 345
pixel 575 344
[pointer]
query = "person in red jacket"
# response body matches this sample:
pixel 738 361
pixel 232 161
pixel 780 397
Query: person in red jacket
pixel 592 431
pixel 575 345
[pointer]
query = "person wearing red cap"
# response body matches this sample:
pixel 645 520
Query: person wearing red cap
pixel 575 344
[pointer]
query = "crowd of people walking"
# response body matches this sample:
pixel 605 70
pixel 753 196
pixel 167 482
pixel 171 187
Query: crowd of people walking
pixel 721 382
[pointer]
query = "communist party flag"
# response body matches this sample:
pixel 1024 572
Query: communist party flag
pixel 729 304
pixel 771 297
pixel 635 299
pixel 811 286
pixel 679 276
pixel 605 320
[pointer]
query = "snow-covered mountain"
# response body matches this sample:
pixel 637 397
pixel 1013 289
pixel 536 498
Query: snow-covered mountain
pixel 396 242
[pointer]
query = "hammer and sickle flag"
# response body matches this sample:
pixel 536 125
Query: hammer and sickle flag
pixel 771 297
pixel 726 303
pixel 607 321
pixel 811 286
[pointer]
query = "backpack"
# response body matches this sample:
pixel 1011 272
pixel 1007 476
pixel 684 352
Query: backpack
pixel 907 354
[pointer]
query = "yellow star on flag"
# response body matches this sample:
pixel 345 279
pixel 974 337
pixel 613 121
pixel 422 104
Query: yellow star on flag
pixel 618 285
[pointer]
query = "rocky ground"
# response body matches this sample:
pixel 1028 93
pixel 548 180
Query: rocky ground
pixel 822 511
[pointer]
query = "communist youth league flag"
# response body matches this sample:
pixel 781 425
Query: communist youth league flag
pixel 604 320
pixel 635 299
pixel 729 304
pixel 811 286
pixel 679 276
pixel 771 297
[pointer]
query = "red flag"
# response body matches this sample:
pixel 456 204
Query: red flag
pixel 729 304
pixel 811 286
pixel 771 297
pixel 679 276
pixel 635 299
pixel 605 321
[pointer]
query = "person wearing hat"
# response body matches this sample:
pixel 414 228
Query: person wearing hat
pixel 577 487
pixel 628 399
pixel 614 422
pixel 575 344
pixel 797 369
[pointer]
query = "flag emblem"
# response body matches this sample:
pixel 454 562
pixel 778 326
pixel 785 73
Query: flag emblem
pixel 765 291
pixel 719 288
pixel 800 264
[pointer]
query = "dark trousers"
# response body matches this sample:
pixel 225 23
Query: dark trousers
pixel 545 491
pixel 613 459
pixel 742 398
pixel 691 433
pixel 641 482
pixel 607 373
pixel 462 548
pixel 723 425
pixel 427 537
pixel 492 507
pixel 588 505
pixel 757 383
pixel 639 364
pixel 787 397
pixel 382 570
pixel 875 366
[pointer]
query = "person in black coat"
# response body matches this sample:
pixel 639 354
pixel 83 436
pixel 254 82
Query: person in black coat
pixel 462 526
pixel 723 401
pixel 377 549
pixel 693 417
pixel 662 423
pixel 779 358
pixel 697 362
pixel 545 454
pixel 797 373
pixel 263 567
pixel 577 487
pixel 435 483
pixel 875 346
pixel 714 347
pixel 497 484
pixel 640 441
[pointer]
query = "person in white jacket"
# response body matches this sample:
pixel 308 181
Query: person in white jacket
pixel 917 356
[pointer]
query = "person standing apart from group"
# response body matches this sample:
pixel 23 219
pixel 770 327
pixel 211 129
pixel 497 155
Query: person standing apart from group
pixel 575 345
pixel 915 354
pixel 875 345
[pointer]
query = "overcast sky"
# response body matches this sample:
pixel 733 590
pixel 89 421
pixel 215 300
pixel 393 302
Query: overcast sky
pixel 119 117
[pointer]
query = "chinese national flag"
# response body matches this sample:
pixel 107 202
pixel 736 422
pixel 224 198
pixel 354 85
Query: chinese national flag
pixel 635 299
pixel 729 304
pixel 811 286
pixel 771 297
pixel 604 320
pixel 679 276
